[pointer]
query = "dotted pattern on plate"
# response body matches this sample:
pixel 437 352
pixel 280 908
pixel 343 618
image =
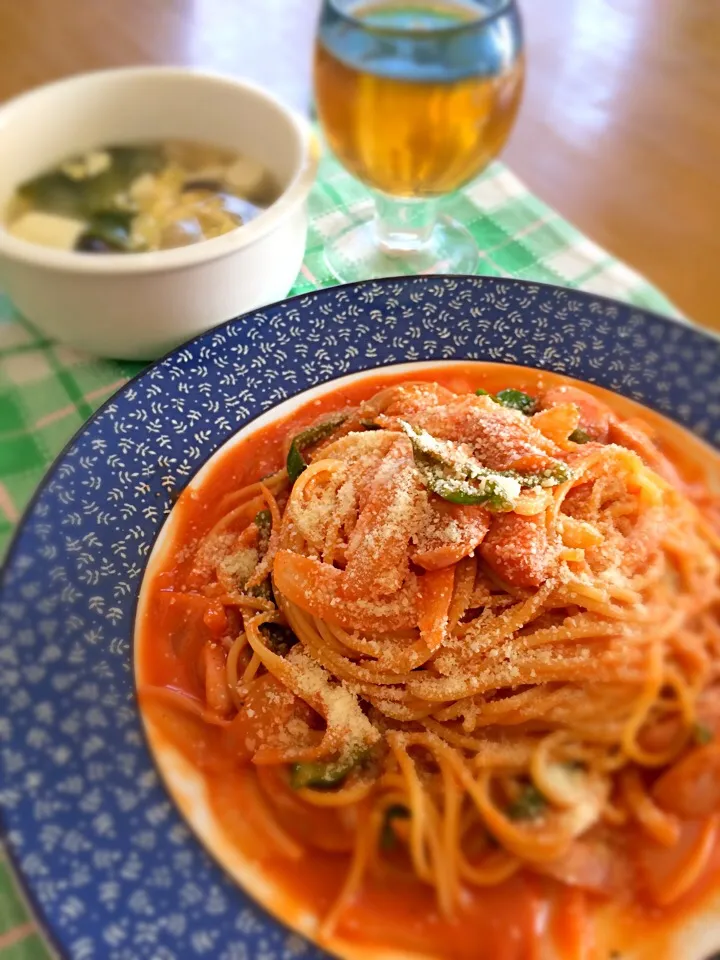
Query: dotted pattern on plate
pixel 105 856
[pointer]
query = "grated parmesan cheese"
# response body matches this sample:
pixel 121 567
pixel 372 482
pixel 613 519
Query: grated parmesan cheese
pixel 241 564
pixel 341 708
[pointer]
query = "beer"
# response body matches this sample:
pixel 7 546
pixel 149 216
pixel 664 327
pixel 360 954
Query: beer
pixel 416 98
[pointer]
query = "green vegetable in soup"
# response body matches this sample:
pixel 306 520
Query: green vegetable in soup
pixel 53 193
pixel 132 161
pixel 131 198
pixel 108 232
pixel 65 191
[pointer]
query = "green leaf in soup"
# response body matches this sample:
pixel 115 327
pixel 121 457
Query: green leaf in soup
pixel 134 160
pixel 108 231
pixel 106 191
pixel 54 193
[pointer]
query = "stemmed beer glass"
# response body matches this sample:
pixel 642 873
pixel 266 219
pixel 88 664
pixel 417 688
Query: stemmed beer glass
pixel 415 98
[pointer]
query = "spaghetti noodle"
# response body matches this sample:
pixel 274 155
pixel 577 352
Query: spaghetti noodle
pixel 464 636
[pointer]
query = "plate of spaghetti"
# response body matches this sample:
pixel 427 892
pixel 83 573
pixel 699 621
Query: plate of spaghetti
pixel 426 654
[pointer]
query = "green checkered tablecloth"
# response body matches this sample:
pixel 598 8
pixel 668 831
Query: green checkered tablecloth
pixel 47 391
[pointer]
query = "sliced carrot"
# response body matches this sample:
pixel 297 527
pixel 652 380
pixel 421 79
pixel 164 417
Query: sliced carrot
pixel 574 925
pixel 436 591
pixel 595 416
pixel 557 422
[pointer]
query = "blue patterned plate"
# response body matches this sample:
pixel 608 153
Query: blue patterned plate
pixel 107 861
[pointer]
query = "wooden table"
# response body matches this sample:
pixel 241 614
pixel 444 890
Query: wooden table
pixel 619 129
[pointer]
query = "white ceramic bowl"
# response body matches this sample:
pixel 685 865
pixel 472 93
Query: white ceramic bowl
pixel 137 306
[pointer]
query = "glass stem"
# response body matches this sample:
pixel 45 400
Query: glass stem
pixel 403 225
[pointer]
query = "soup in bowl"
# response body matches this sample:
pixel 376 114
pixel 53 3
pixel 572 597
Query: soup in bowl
pixel 136 198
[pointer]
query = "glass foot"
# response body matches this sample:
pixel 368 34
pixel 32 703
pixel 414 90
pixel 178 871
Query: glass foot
pixel 356 254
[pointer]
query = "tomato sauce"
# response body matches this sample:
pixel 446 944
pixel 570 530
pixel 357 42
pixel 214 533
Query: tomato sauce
pixel 516 920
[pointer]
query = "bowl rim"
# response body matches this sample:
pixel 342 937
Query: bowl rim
pixel 161 261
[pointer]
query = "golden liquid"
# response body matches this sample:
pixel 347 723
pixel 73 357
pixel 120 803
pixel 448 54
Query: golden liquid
pixel 414 138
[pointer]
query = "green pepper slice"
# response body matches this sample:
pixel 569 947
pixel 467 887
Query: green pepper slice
pixel 296 463
pixel 473 484
pixel 263 521
pixel 319 775
pixel 484 490
pixel 528 805
pixel 517 400
pixel 702 734
pixel 280 639
pixel 387 835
